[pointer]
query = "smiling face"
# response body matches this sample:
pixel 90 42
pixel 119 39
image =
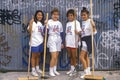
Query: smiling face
pixel 84 16
pixel 71 17
pixel 39 16
pixel 55 16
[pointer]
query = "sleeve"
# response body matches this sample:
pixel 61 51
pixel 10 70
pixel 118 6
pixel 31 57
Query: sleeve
pixel 61 27
pixel 61 33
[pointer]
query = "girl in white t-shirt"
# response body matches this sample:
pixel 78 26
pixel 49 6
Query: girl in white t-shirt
pixel 87 25
pixel 73 30
pixel 35 29
pixel 55 40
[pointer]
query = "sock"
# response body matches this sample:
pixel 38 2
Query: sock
pixel 85 70
pixel 37 67
pixel 33 69
pixel 72 68
pixel 51 69
pixel 88 68
pixel 55 68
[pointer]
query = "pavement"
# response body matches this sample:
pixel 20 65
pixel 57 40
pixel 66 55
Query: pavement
pixel 108 75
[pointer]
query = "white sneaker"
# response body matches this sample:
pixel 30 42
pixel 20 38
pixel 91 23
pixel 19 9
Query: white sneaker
pixel 88 71
pixel 82 77
pixel 52 74
pixel 69 72
pixel 55 70
pixel 72 73
pixel 34 73
pixel 39 71
pixel 57 73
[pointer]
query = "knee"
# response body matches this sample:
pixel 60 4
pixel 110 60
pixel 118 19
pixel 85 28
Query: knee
pixel 81 56
pixel 54 58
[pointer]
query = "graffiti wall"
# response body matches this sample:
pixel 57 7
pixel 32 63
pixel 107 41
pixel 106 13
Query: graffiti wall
pixel 14 38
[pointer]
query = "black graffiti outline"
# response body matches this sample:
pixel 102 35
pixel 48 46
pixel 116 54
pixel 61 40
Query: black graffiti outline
pixel 10 17
pixel 116 14
pixel 8 58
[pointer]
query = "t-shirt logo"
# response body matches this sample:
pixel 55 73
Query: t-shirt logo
pixel 56 28
pixel 83 29
pixel 69 30
pixel 39 29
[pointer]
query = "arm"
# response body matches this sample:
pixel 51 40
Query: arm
pixel 93 25
pixel 30 25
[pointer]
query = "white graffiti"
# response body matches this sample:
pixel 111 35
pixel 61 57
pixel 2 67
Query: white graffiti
pixel 111 39
pixel 11 4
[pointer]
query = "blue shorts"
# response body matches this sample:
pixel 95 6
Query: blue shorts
pixel 37 49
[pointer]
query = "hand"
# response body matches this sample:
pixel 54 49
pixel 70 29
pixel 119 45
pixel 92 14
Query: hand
pixel 45 21
pixel 92 22
pixel 76 32
pixel 32 20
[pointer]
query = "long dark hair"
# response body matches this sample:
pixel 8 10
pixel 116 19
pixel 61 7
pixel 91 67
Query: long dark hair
pixel 35 16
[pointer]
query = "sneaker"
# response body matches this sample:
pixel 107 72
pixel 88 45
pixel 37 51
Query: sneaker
pixel 55 70
pixel 88 71
pixel 34 73
pixel 72 73
pixel 39 71
pixel 82 77
pixel 57 73
pixel 52 74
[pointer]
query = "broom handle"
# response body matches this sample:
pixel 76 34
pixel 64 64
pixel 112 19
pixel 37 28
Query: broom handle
pixel 43 74
pixel 29 53
pixel 91 16
pixel 75 29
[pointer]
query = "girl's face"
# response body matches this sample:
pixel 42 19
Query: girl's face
pixel 55 16
pixel 71 17
pixel 39 16
pixel 84 16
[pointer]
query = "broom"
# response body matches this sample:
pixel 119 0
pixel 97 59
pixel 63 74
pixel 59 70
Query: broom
pixel 92 77
pixel 28 73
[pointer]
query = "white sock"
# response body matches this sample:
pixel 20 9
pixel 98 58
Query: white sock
pixel 72 68
pixel 88 68
pixel 33 69
pixel 55 68
pixel 51 69
pixel 85 70
pixel 37 67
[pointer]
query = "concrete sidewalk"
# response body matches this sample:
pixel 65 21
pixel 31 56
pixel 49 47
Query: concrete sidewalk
pixel 109 75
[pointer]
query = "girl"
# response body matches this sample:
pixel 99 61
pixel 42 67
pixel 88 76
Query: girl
pixel 87 25
pixel 72 37
pixel 54 40
pixel 36 29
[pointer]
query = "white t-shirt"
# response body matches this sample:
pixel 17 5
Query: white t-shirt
pixel 86 28
pixel 55 27
pixel 71 38
pixel 36 36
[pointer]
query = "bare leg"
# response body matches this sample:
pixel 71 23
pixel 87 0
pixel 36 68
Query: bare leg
pixel 74 57
pixel 33 60
pixel 87 60
pixel 82 59
pixel 70 55
pixel 38 59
